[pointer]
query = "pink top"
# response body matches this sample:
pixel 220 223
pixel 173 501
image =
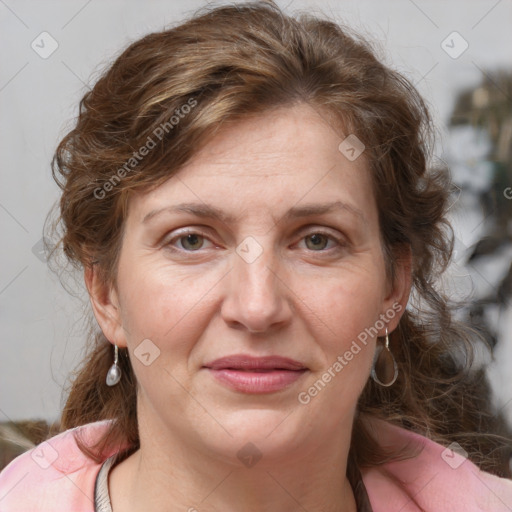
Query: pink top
pixel 56 476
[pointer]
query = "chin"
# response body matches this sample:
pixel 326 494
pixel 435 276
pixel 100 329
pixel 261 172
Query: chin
pixel 272 432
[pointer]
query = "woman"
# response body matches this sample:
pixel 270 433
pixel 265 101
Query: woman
pixel 248 197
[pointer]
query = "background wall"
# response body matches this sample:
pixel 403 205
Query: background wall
pixel 52 52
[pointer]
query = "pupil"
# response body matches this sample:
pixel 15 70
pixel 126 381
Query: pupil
pixel 316 239
pixel 191 239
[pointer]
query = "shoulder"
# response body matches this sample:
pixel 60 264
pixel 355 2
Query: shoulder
pixel 434 478
pixel 54 475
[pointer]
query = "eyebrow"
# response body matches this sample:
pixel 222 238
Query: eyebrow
pixel 208 211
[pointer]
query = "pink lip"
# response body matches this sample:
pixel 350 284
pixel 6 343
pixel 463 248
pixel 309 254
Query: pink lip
pixel 256 374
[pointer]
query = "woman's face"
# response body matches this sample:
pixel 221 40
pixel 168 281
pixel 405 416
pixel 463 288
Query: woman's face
pixel 292 266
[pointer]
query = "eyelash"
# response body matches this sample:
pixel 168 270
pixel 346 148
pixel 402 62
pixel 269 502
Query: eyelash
pixel 341 243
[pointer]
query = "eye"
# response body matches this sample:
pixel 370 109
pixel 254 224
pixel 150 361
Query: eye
pixel 193 241
pixel 189 241
pixel 319 240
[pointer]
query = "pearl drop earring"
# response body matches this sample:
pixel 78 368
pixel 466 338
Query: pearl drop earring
pixel 114 372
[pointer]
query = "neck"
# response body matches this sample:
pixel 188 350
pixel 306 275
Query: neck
pixel 171 473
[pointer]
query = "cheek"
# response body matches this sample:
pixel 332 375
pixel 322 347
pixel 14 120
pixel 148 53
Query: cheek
pixel 162 304
pixel 347 302
pixel 343 312
pixel 170 311
pixel 347 309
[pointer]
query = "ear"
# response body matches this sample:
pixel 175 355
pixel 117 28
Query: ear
pixel 399 290
pixel 105 305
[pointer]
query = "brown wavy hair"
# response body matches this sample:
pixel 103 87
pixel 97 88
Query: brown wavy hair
pixel 228 63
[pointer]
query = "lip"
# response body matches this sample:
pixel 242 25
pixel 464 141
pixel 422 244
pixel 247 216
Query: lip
pixel 249 374
pixel 246 362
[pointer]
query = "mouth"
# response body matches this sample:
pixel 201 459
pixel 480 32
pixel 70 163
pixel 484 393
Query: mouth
pixel 256 375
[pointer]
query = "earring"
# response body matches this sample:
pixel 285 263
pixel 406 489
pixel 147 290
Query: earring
pixel 382 364
pixel 114 372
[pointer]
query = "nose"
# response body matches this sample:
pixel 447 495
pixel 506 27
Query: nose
pixel 258 296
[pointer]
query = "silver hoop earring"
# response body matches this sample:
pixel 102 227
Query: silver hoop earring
pixel 114 372
pixel 384 368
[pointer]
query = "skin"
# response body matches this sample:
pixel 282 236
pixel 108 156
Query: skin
pixel 304 297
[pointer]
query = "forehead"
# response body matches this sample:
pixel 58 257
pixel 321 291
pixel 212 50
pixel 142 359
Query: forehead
pixel 288 157
pixel 284 139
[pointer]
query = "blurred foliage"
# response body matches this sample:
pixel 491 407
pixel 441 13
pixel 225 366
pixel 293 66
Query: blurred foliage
pixel 489 107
